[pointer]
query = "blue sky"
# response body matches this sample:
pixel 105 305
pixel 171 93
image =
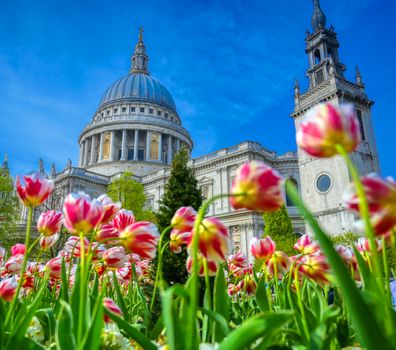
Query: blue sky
pixel 230 66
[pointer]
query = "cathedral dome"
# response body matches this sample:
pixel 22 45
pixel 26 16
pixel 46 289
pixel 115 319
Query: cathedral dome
pixel 138 87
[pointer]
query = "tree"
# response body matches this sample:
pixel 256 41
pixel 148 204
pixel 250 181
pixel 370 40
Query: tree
pixel 130 194
pixel 279 226
pixel 181 190
pixel 9 204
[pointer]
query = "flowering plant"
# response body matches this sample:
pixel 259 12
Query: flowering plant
pixel 92 294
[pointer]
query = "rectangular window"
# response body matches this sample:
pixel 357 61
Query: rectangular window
pixel 319 76
pixel 108 112
pixel 359 116
pixel 130 154
pixel 158 112
pixel 123 109
pixel 115 110
pixel 141 154
pixel 151 111
pixel 133 109
pixel 166 115
pixel 141 109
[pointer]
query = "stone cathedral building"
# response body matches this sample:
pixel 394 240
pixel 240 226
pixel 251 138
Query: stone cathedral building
pixel 137 128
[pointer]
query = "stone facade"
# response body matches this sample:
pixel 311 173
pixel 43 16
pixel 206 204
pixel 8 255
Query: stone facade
pixel 137 128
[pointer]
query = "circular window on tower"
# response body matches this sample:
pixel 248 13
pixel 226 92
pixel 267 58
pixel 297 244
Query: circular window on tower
pixel 323 183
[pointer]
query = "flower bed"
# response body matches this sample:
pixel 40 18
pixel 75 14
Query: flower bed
pixel 93 294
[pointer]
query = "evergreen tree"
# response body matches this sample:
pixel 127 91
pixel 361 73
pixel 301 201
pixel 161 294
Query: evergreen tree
pixel 9 204
pixel 130 194
pixel 181 190
pixel 279 226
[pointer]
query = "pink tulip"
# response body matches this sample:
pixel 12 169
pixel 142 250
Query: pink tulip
pixel 212 266
pixel 54 266
pixel 14 264
pixel 81 214
pixel 178 240
pixel 115 257
pixel 214 242
pixel 184 219
pixel 281 261
pixel 248 285
pixel 46 242
pixel 106 232
pixel 123 219
pixel 306 245
pixel 49 222
pixel 110 208
pixel 8 288
pixel 111 306
pixel 262 249
pixel 256 187
pixel 327 125
pixel 315 267
pixel 141 238
pixel 73 246
pixel 36 189
pixel 238 264
pixel 233 289
pixel 381 198
pixel 18 249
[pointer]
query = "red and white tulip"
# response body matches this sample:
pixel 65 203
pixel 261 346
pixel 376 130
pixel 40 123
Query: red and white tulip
pixel 35 190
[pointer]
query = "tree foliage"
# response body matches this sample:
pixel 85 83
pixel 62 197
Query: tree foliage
pixel 9 204
pixel 279 226
pixel 130 194
pixel 180 190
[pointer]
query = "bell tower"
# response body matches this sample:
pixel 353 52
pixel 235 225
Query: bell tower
pixel 324 180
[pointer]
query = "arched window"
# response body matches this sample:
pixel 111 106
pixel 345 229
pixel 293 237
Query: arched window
pixel 289 202
pixel 317 56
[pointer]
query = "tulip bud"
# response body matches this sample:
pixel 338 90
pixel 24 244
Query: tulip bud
pixel 141 238
pixel 14 264
pixel 49 222
pixel 184 219
pixel 18 249
pixel 123 219
pixel 262 249
pixel 81 214
pixel 111 306
pixel 110 208
pixel 256 187
pixel 214 242
pixel 46 242
pixel 8 288
pixel 328 125
pixel 115 257
pixel 36 190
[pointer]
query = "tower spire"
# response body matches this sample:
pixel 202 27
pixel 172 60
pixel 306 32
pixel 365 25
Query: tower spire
pixel 318 17
pixel 139 59
pixel 358 76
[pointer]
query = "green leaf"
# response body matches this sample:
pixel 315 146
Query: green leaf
pixel 222 323
pixel 369 331
pixel 261 295
pixel 132 332
pixel 93 337
pixel 266 324
pixel 64 335
pixel 65 283
pixel 220 302
pixel 174 331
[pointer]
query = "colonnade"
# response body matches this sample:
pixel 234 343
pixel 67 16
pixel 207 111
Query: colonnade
pixel 147 146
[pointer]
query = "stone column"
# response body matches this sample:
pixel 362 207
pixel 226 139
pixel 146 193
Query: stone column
pixel 86 152
pixel 112 145
pixel 148 137
pixel 124 145
pixel 100 148
pixel 178 144
pixel 136 145
pixel 93 149
pixel 160 148
pixel 81 154
pixel 170 153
